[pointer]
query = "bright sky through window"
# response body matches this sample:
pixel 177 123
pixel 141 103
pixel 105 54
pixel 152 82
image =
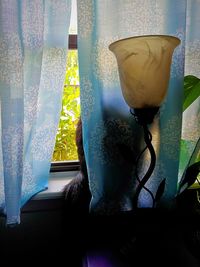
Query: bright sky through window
pixel 73 21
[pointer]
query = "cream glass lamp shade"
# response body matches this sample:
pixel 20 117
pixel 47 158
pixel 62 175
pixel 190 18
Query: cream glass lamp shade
pixel 144 68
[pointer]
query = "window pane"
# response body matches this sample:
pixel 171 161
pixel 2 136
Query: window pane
pixel 73 21
pixel 65 146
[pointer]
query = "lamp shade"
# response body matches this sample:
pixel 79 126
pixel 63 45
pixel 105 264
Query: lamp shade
pixel 144 68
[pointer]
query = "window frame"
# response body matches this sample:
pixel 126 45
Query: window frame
pixel 72 165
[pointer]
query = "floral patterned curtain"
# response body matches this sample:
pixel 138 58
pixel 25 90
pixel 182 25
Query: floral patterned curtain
pixel 33 47
pixel 112 139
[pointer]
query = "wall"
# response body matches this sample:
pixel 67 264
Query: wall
pixel 40 237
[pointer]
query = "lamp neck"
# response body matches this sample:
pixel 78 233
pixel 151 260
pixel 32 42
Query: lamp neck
pixel 144 116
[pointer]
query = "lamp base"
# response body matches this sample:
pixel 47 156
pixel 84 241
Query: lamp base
pixel 144 115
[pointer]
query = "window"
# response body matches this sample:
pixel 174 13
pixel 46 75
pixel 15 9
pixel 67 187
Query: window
pixel 65 153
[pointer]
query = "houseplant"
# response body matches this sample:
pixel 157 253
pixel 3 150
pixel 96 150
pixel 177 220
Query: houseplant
pixel 190 176
pixel 188 199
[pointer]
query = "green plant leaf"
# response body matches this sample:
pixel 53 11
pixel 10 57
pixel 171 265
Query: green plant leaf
pixel 160 190
pixel 190 176
pixel 191 90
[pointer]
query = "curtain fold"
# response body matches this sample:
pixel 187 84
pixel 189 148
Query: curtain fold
pixel 33 47
pixel 112 139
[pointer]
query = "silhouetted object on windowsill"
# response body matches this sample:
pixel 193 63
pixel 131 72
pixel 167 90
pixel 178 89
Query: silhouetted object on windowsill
pixel 77 194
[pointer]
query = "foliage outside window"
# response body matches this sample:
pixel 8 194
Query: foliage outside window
pixel 65 145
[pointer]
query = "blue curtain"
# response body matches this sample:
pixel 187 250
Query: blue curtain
pixel 33 47
pixel 190 142
pixel 108 126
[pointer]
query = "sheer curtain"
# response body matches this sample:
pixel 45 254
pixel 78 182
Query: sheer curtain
pixel 190 143
pixel 112 139
pixel 33 47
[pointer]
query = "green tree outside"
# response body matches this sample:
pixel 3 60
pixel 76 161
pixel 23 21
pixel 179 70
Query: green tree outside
pixel 65 145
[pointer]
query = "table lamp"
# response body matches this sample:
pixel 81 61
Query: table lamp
pixel 144 64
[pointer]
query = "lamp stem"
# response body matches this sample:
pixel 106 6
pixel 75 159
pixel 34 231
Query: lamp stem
pixel 147 139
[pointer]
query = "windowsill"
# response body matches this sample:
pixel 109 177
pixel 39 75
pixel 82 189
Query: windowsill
pixel 57 181
pixel 51 198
